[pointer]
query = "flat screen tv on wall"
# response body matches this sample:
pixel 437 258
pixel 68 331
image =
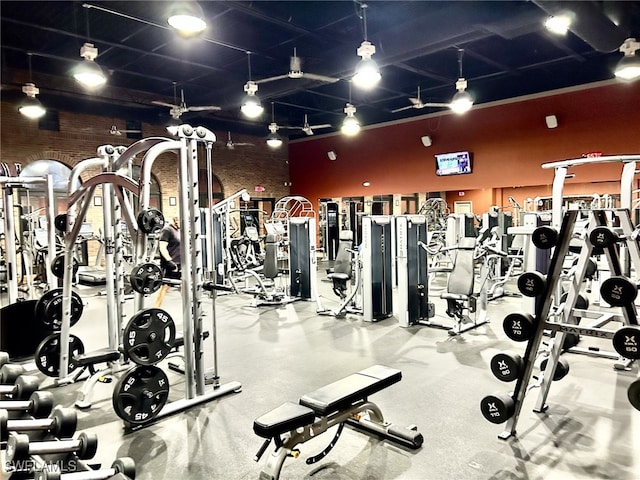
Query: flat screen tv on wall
pixel 455 163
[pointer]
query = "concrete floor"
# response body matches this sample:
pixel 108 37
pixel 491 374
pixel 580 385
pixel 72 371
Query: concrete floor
pixel 280 353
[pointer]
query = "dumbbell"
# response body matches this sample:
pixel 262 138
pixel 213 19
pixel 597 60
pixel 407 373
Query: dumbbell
pixel 618 291
pixel 62 424
pixel 634 394
pixel 4 358
pixel 626 341
pixel 9 373
pixel 19 447
pixel 23 388
pixel 506 367
pixel 39 404
pixel 121 469
pixel 519 327
pixel 604 237
pixel 532 284
pixel 498 408
pixel 562 368
pixel 545 237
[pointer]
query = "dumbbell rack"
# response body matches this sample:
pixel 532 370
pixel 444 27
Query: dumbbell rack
pixel 545 319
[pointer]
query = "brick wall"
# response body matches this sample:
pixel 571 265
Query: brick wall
pixel 21 141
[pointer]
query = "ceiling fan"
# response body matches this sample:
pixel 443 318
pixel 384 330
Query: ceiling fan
pixel 417 103
pixel 114 130
pixel 176 110
pixel 308 129
pixel 295 72
pixel 230 144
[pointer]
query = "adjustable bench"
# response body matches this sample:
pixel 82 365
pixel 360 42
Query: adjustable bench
pixel 340 402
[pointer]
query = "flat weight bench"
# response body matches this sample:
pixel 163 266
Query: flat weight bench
pixel 340 402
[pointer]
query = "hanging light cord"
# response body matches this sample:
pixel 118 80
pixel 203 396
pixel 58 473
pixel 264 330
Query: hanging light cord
pixel 364 20
pixel 460 54
pixel 273 115
pixel 249 63
pixel 29 55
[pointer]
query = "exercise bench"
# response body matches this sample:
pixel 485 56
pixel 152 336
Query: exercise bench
pixel 340 402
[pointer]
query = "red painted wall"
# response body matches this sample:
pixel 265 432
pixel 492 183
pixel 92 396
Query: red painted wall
pixel 509 142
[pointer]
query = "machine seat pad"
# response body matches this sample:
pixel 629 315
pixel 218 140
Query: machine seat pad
pixel 344 393
pixel 97 356
pixel 339 276
pixel 285 418
pixel 454 296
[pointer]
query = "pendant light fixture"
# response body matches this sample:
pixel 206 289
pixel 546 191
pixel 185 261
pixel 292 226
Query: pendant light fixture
pixel 251 106
pixel 350 125
pixel 628 67
pixel 273 139
pixel 461 101
pixel 367 74
pixel 31 107
pixel 187 18
pixel 88 73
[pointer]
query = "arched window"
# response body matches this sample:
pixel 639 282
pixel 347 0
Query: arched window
pixel 218 191
pixel 32 196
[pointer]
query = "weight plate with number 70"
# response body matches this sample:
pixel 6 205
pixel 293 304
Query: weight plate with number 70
pixel 149 336
pixel 140 394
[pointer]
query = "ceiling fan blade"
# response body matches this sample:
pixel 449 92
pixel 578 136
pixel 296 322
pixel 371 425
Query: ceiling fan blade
pixel 245 144
pixel 415 101
pixel 321 78
pixel 290 128
pixel 164 104
pixel 271 79
pixel 324 125
pixel 402 108
pixel 203 108
pixel 443 105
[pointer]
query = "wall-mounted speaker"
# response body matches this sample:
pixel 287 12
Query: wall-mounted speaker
pixel 332 155
pixel 551 120
pixel 426 141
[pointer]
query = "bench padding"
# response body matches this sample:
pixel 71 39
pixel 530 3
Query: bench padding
pixel 343 393
pixel 97 356
pixel 285 418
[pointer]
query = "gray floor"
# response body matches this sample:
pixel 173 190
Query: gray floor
pixel 279 353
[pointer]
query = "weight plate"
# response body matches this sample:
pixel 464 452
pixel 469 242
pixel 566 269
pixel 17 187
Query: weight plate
pixel 57 266
pixel 47 356
pixel 149 336
pixel 634 394
pixel 532 284
pixel 497 408
pixel 151 220
pixel 146 278
pixel 544 237
pixel 626 341
pixel 570 341
pixel 519 327
pixel 126 466
pixel 48 309
pixel 618 291
pixel 140 394
pixel 506 366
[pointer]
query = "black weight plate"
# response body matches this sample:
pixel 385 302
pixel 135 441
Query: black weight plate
pixel 570 341
pixel 602 237
pixel 149 336
pixel 562 368
pixel 618 291
pixel 47 356
pixel 626 341
pixel 634 394
pixel 544 237
pixel 146 278
pixel 531 284
pixel 151 220
pixel 57 266
pixel 519 327
pixel 506 366
pixel 497 408
pixel 60 222
pixel 49 309
pixel 140 394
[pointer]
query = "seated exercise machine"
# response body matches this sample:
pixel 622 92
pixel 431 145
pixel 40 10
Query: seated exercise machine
pixel 342 402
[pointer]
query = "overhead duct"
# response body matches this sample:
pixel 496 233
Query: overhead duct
pixel 589 23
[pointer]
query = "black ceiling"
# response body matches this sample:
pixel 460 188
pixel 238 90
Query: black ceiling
pixel 507 53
